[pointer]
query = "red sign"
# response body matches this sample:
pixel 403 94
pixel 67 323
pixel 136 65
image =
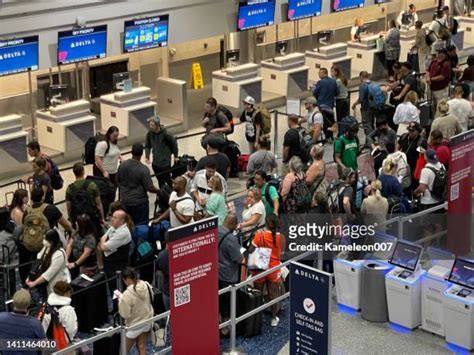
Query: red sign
pixel 460 183
pixel 193 263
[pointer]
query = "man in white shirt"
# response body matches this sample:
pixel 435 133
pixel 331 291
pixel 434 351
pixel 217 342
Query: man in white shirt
pixel 427 200
pixel 181 210
pixel 314 119
pixel 407 19
pixel 200 190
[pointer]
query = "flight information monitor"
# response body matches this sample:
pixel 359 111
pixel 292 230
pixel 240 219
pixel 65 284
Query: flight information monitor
pixel 341 5
pixel 298 9
pixel 255 13
pixel 462 273
pixel 406 255
pixel 82 44
pixel 145 33
pixel 18 55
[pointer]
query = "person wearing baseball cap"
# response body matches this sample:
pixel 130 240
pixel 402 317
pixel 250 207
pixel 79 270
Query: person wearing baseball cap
pixel 410 141
pixel 427 179
pixel 314 119
pixel 253 122
pixel 18 324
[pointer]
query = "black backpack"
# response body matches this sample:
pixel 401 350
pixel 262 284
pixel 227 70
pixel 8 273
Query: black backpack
pixel 440 183
pixel 455 27
pixel 57 181
pixel 230 117
pixel 81 201
pixel 89 148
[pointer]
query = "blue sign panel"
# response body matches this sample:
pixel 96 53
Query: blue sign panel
pixel 18 55
pixel 298 9
pixel 82 44
pixel 310 310
pixel 145 33
pixel 255 13
pixel 340 5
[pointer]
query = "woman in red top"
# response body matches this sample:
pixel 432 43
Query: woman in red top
pixel 270 238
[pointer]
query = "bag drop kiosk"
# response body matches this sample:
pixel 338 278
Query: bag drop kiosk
pixel 459 305
pixel 403 285
pixel 433 286
pixel 366 56
pixel 326 57
pixel 348 273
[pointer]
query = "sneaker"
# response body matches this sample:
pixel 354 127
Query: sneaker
pixel 275 321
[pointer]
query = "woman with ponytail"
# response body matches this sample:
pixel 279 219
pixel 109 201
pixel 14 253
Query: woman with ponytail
pixel 375 207
pixel 270 238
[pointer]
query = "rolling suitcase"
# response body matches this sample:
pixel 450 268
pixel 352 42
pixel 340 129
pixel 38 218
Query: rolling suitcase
pixel 90 302
pixel 233 153
pixel 248 300
pixel 108 345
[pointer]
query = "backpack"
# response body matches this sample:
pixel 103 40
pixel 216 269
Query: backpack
pixel 443 33
pixel 455 27
pixel 89 148
pixel 420 87
pixel 267 193
pixel 81 201
pixel 344 124
pixel 336 189
pixel 266 119
pixel 304 144
pixel 57 181
pixel 376 96
pixel 56 330
pixel 35 226
pixel 440 183
pixel 230 117
pixel 299 197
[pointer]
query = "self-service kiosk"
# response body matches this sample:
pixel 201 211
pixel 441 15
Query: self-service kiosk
pixel 433 286
pixel 403 285
pixel 459 305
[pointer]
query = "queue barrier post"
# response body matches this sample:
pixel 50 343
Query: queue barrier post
pixel 275 133
pixel 233 316
pixel 123 341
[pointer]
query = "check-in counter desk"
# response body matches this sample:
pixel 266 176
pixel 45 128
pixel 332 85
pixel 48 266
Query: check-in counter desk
pixel 232 85
pixel 12 141
pixel 326 57
pixel 467 24
pixel 458 39
pixel 129 111
pixel 365 56
pixel 66 127
pixel 286 75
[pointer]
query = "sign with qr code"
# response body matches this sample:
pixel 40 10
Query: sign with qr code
pixel 193 268
pixel 460 188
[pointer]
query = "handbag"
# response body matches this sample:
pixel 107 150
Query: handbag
pixel 259 259
pixel 157 334
pixel 36 268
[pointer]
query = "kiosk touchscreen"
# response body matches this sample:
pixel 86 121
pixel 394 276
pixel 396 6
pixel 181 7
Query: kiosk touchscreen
pixel 145 33
pixel 298 9
pixel 82 44
pixel 462 274
pixel 406 256
pixel 255 13
pixel 119 79
pixel 18 55
pixel 58 95
pixel 341 5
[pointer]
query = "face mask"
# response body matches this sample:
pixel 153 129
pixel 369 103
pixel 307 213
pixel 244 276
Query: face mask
pixel 46 244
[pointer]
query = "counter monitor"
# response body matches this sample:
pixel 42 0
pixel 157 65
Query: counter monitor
pixel 255 13
pixel 341 5
pixel 145 33
pixel 406 255
pixel 19 55
pixel 298 9
pixel 82 44
pixel 462 273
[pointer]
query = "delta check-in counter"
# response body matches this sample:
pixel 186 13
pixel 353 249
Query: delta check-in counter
pixel 12 141
pixel 286 76
pixel 326 57
pixel 129 111
pixel 366 56
pixel 65 128
pixel 467 24
pixel 232 85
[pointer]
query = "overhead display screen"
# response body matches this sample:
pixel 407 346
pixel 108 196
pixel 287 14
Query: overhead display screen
pixel 145 33
pixel 298 9
pixel 341 5
pixel 255 13
pixel 19 55
pixel 82 44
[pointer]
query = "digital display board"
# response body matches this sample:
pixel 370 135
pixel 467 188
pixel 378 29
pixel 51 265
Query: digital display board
pixel 82 44
pixel 341 5
pixel 19 55
pixel 462 273
pixel 406 255
pixel 298 9
pixel 145 33
pixel 255 13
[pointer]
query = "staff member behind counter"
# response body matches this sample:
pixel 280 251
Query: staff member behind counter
pixel 358 29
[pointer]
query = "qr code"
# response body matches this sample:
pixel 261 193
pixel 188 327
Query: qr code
pixel 454 192
pixel 182 295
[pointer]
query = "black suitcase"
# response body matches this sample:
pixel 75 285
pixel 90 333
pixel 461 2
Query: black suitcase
pixel 233 153
pixel 108 345
pixel 426 114
pixel 248 300
pixel 90 302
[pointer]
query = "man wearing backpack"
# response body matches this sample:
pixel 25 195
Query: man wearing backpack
pixel 314 119
pixel 293 143
pixel 253 122
pixel 34 151
pixel 433 182
pixel 366 103
pixel 83 196
pixel 162 145
pixel 215 122
pixel 270 195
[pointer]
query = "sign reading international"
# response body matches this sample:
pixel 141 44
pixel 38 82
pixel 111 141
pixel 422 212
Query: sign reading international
pixel 310 310
pixel 193 268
